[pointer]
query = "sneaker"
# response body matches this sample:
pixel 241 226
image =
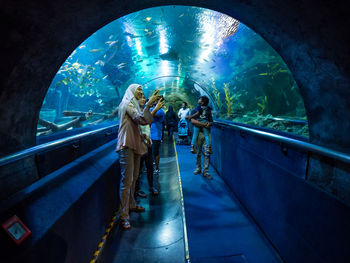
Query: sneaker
pixel 154 191
pixel 206 175
pixel 138 209
pixel 209 150
pixel 125 224
pixel 141 194
pixel 192 149
pixel 197 171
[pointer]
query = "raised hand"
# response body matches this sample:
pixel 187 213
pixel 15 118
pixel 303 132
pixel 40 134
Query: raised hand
pixel 153 98
pixel 160 104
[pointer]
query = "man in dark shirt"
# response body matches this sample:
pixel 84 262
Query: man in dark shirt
pixel 199 144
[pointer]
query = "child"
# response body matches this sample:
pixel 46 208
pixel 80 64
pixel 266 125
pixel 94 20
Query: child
pixel 202 113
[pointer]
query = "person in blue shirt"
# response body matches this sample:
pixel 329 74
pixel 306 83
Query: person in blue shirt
pixel 156 131
pixel 203 114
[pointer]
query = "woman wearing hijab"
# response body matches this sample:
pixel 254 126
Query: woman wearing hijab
pixel 130 148
pixel 170 122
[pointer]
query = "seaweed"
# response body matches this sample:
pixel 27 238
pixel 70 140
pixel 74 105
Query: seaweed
pixel 229 99
pixel 274 71
pixel 262 103
pixel 216 94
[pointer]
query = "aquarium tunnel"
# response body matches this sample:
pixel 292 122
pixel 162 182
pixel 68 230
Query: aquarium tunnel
pixel 275 185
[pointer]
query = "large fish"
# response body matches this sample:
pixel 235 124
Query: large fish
pixel 95 50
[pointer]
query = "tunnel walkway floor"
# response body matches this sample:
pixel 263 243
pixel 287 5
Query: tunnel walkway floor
pixel 218 228
pixel 157 234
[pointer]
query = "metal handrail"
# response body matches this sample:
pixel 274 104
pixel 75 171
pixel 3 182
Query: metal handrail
pixel 274 137
pixel 344 157
pixel 46 146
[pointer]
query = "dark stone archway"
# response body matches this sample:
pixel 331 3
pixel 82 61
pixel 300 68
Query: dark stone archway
pixel 311 36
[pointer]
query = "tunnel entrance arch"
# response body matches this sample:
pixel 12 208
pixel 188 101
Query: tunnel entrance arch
pixel 311 38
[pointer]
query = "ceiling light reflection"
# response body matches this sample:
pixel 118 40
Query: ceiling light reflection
pixel 163 42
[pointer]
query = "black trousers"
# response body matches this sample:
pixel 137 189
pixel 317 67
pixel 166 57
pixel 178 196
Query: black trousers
pixel 171 129
pixel 147 159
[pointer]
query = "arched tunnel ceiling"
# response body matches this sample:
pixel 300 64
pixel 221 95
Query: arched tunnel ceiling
pixel 311 36
pixel 185 52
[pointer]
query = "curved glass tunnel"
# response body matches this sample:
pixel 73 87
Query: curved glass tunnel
pixel 258 200
pixel 185 52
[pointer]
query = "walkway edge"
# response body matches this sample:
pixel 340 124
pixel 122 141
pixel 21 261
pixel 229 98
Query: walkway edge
pixel 187 252
pixel 113 223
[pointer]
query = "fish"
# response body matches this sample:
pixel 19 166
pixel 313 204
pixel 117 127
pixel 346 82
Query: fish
pixel 203 74
pixel 150 64
pixel 146 30
pixel 82 46
pixel 274 66
pixel 156 23
pixel 212 66
pixel 149 33
pixel 111 43
pixel 95 50
pixel 65 82
pixel 105 77
pixel 213 60
pixel 111 36
pixel 170 55
pixel 205 60
pixel 99 62
pixel 181 15
pixel 189 41
pixel 76 65
pixel 148 18
pixel 122 65
pixel 131 35
pixel 140 60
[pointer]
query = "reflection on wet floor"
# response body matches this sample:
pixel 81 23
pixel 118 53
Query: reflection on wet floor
pixel 218 228
pixel 157 234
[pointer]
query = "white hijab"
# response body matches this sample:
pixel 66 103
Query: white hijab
pixel 128 97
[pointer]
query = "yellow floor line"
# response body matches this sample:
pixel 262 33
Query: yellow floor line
pixel 101 245
pixel 187 252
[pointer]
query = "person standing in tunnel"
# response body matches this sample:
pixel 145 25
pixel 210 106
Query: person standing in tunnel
pixel 182 114
pixel 184 111
pixel 203 114
pixel 170 122
pixel 156 131
pixel 146 159
pixel 130 148
pixel 200 143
